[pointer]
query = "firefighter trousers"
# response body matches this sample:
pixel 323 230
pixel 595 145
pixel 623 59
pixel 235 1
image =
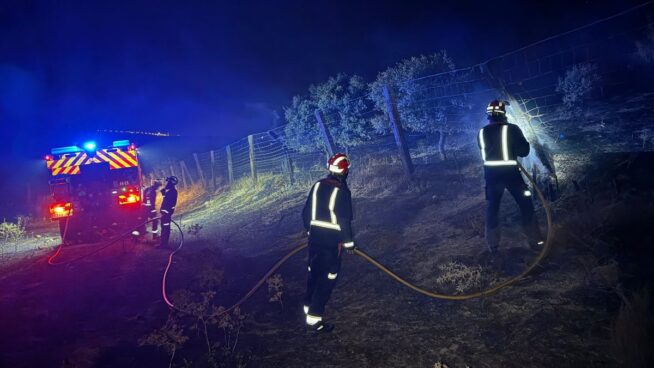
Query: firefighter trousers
pixel 323 265
pixel 155 223
pixel 514 183
pixel 148 215
pixel 166 218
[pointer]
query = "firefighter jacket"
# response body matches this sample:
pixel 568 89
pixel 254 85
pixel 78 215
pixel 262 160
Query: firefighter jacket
pixel 501 144
pixel 150 196
pixel 169 200
pixel 328 214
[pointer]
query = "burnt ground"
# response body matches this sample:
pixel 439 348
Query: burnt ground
pixel 95 311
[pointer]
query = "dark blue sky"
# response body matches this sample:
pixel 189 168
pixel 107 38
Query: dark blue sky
pixel 223 68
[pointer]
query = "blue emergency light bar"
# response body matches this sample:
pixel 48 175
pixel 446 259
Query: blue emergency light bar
pixel 123 143
pixel 90 146
pixel 68 149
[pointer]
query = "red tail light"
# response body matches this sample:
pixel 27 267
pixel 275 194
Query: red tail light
pixel 129 196
pixel 61 210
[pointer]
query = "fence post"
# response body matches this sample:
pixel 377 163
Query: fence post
pixel 200 172
pixel 253 166
pixel 172 171
pixel 186 173
pixel 213 168
pixel 163 173
pixel 289 167
pixel 230 166
pixel 181 169
pixel 326 136
pixel 398 131
pixel 152 177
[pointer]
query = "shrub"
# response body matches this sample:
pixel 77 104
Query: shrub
pixel 419 110
pixel 459 276
pixel 576 86
pixel 194 230
pixel 276 289
pixel 10 231
pixel 342 101
pixel 170 337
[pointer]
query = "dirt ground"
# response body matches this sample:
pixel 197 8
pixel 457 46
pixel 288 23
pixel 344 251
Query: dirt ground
pixel 95 311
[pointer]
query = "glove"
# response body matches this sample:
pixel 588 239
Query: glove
pixel 349 247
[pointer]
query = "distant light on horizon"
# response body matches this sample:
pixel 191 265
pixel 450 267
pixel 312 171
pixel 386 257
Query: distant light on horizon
pixel 135 132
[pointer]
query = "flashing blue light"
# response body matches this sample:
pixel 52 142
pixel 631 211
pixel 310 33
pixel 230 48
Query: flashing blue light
pixel 90 146
pixel 62 150
pixel 123 143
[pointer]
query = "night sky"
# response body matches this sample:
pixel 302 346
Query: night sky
pixel 224 69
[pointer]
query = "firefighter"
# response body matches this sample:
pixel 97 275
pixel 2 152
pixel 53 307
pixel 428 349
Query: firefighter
pixel 168 208
pixel 327 217
pixel 501 143
pixel 149 207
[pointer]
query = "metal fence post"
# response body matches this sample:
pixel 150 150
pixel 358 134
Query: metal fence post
pixel 253 167
pixel 230 165
pixel 326 136
pixel 213 168
pixel 200 172
pixel 181 169
pixel 398 131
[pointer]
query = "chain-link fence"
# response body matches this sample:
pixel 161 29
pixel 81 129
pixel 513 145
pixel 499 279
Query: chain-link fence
pixel 588 89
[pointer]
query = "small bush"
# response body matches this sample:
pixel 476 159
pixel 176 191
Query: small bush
pixel 576 86
pixel 170 337
pixel 10 231
pixel 194 230
pixel 459 276
pixel 276 289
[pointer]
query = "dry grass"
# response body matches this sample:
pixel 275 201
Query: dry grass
pixel 458 276
pixel 188 198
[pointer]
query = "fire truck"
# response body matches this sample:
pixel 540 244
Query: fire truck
pixel 96 192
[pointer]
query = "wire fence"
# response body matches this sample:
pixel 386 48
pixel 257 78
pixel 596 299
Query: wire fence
pixel 588 90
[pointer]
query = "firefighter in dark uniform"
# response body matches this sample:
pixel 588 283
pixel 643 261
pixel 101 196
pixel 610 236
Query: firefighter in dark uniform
pixel 168 208
pixel 501 143
pixel 327 217
pixel 149 207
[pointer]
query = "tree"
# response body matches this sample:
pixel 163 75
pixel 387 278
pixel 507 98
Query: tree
pixel 422 86
pixel 301 130
pixel 343 102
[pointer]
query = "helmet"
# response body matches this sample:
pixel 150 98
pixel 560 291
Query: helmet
pixel 496 110
pixel 338 164
pixel 172 180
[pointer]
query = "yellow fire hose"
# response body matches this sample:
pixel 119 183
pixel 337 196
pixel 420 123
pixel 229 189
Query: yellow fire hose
pixel 487 292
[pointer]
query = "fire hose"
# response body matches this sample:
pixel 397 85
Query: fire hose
pixel 487 292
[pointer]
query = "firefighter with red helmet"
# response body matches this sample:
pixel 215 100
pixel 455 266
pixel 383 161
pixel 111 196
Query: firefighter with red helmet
pixel 167 209
pixel 327 217
pixel 501 143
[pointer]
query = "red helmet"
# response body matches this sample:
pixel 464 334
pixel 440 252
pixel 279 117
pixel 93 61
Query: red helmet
pixel 338 164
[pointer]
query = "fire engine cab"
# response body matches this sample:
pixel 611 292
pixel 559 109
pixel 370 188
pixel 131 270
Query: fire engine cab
pixel 96 192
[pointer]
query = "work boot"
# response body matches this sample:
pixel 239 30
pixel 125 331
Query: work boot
pixel 319 327
pixel 492 239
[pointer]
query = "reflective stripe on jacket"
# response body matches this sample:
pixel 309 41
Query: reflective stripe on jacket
pixel 501 144
pixel 329 207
